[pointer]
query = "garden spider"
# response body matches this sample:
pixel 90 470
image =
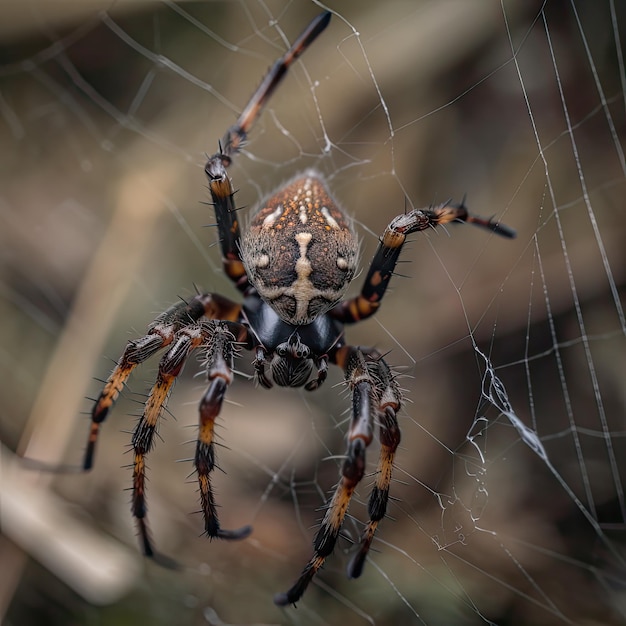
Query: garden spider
pixel 292 267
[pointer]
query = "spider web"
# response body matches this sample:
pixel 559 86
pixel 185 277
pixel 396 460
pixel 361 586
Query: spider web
pixel 508 500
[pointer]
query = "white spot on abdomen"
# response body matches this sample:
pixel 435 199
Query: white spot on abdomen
pixel 270 219
pixel 330 220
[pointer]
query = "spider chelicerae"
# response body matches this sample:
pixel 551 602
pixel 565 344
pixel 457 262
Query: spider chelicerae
pixel 292 266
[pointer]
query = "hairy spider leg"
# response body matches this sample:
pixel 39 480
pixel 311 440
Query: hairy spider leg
pixel 236 135
pixel 388 252
pixel 389 435
pixel 161 333
pixel 374 395
pixel 219 358
pixel 210 335
pixel 220 185
pixel 183 343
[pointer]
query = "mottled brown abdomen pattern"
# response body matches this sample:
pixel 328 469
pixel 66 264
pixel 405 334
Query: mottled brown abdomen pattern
pixel 300 250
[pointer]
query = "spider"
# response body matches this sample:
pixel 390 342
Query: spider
pixel 292 266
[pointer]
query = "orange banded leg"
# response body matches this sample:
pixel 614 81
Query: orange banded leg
pixel 170 366
pixel 236 134
pixel 390 401
pixel 137 351
pixel 229 232
pixel 160 334
pixel 219 374
pixel 390 246
pixel 377 506
pixel 364 403
pixel 220 186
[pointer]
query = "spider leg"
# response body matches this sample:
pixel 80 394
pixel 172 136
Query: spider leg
pixel 220 185
pixel 389 405
pixel 217 338
pixel 237 133
pixel 365 400
pixel 390 246
pixel 160 334
pixel 184 342
pixel 218 359
pixel 260 365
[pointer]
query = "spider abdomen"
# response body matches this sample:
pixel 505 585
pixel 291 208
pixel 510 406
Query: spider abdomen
pixel 300 250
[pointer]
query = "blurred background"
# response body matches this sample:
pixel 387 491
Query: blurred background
pixel 508 500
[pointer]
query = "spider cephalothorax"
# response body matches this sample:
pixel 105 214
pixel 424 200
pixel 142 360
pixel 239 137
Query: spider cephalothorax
pixel 292 267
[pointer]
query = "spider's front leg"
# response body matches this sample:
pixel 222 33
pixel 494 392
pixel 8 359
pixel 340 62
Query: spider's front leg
pixel 375 394
pixel 390 246
pixel 220 185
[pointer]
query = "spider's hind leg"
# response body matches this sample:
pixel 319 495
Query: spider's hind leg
pixel 375 396
pixel 389 404
pixel 217 339
pixel 171 365
pixel 161 333
pixel 218 363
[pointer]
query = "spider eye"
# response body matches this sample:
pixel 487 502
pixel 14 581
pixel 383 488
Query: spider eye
pixel 302 352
